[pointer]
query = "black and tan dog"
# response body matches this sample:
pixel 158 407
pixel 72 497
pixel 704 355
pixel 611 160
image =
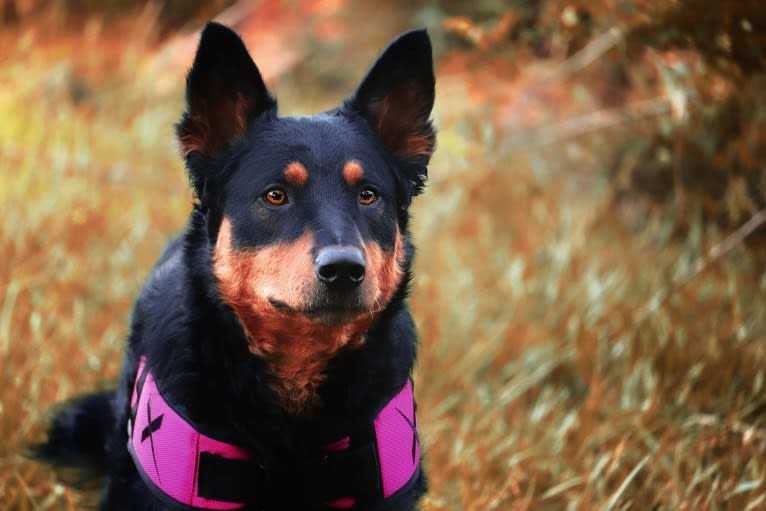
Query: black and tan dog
pixel 268 365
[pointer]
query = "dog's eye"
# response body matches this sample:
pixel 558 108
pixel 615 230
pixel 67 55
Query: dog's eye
pixel 275 197
pixel 367 196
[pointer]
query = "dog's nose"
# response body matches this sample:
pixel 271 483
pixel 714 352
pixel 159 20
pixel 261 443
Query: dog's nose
pixel 340 267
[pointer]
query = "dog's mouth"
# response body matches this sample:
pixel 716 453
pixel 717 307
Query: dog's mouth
pixel 332 313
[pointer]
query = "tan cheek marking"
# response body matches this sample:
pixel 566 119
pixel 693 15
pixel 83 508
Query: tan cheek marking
pixel 246 278
pixel 384 271
pixel 296 174
pixel 353 172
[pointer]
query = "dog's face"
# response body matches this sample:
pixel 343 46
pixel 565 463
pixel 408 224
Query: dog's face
pixel 307 215
pixel 309 223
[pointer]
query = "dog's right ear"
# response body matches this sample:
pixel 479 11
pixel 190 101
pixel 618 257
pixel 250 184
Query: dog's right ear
pixel 224 92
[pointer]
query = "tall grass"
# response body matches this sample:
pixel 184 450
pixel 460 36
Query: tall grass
pixel 577 350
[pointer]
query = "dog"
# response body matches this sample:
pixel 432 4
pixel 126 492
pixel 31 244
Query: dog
pixel 269 359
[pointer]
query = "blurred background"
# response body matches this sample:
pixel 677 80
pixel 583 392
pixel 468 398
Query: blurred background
pixel 590 278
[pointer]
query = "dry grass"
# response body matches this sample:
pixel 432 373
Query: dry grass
pixel 542 384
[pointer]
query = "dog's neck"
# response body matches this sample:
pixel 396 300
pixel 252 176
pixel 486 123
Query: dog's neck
pixel 297 353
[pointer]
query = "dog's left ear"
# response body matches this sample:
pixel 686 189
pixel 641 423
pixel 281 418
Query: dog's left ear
pixel 224 92
pixel 396 98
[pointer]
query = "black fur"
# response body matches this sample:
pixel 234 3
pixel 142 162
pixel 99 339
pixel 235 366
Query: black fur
pixel 193 341
pixel 78 433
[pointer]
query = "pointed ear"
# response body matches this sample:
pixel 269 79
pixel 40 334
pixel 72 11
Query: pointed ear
pixel 397 95
pixel 224 92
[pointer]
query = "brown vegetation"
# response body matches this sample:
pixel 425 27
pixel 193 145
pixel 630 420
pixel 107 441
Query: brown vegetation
pixel 590 276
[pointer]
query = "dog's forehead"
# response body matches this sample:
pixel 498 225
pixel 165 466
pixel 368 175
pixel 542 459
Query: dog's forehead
pixel 323 143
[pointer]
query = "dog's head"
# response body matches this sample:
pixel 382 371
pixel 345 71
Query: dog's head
pixel 307 215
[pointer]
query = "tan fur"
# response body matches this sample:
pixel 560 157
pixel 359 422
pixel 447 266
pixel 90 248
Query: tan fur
pixel 296 348
pixel 296 174
pixel 210 131
pixel 194 141
pixel 400 126
pixel 384 272
pixel 353 172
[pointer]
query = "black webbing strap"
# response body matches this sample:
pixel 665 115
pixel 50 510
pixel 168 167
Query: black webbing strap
pixel 349 473
pixel 226 479
pixel 141 379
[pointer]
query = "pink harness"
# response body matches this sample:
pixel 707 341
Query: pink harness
pixel 183 466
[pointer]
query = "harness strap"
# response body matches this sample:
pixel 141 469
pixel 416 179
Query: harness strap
pixel 226 479
pixel 344 476
pixel 167 450
pixel 192 471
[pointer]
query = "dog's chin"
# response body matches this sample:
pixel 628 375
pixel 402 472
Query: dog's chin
pixel 333 317
pixel 331 314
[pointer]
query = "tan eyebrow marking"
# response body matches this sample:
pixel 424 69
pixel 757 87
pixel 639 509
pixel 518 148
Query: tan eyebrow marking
pixel 353 172
pixel 296 174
